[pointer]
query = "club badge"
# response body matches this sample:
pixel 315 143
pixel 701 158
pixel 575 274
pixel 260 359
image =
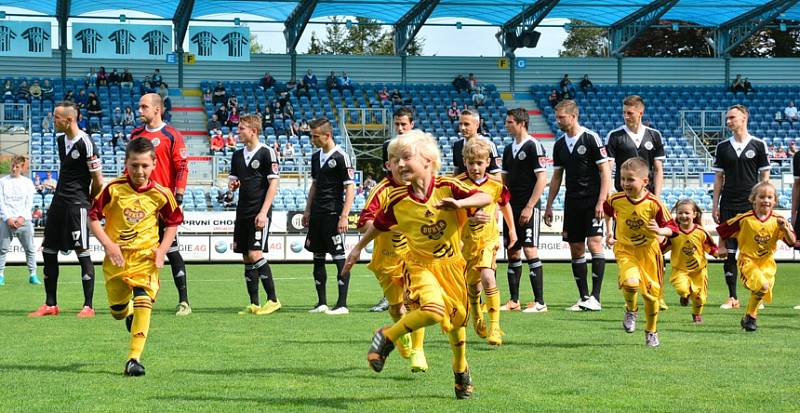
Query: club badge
pixel 255 164
pixel 155 142
pixel 521 156
pixel 648 146
pixel 74 154
pixel 581 150
pixel 750 154
pixel 332 163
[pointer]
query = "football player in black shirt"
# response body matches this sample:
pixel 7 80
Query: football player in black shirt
pixel 740 163
pixel 468 124
pixel 796 198
pixel 326 212
pixel 580 154
pixel 524 175
pixel 254 171
pixel 80 179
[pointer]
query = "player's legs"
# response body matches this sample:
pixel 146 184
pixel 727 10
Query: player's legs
pixel 729 266
pixel 489 283
pixel 25 236
pixel 320 278
pixel 458 344
pixel 87 276
pixel 428 307
pixel 142 310
pixel 51 271
pixel 5 242
pixel 759 279
pixel 699 293
pixel 577 251
pixel 514 273
pixel 682 284
pixel 595 244
pixel 474 288
pixel 629 279
pixel 530 243
pixel 178 268
pixel 251 282
pixel 336 249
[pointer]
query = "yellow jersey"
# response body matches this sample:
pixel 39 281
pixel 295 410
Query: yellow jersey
pixel 387 244
pixel 632 218
pixel 689 248
pixel 479 233
pixel 757 238
pixel 132 214
pixel 431 232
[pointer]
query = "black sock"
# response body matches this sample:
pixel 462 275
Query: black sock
pixel 265 274
pixel 730 273
pixel 514 274
pixel 579 272
pixel 320 278
pixel 251 280
pixel 537 279
pixel 342 281
pixel 178 274
pixel 598 272
pixel 50 277
pixel 87 277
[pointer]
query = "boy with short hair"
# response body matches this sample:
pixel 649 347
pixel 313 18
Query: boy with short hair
pixel 481 241
pixel 254 171
pixel 16 199
pixel 434 268
pixel 132 206
pixel 640 218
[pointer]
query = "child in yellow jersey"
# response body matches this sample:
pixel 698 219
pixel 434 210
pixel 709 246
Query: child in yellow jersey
pixel 385 264
pixel 481 240
pixel 433 267
pixel 689 247
pixel 640 218
pixel 757 232
pixel 132 206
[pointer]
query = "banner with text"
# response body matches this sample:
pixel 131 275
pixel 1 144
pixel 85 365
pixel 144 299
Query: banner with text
pixel 121 41
pixel 25 39
pixel 220 43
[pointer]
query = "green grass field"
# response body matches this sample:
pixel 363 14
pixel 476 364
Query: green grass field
pixel 216 360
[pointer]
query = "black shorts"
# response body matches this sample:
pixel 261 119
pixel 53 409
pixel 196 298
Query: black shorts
pixel 172 248
pixel 725 214
pixel 323 237
pixel 528 234
pixel 247 238
pixel 579 220
pixel 796 222
pixel 67 228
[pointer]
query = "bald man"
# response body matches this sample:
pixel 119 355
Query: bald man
pixel 171 172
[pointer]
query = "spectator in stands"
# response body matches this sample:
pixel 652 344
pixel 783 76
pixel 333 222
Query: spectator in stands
pixel 310 80
pixel 288 152
pixel 288 110
pixel 49 183
pixel 126 79
pixel 267 118
pixel 230 142
pixel 748 87
pixel 566 86
pixel 69 96
pixel 780 153
pixel 36 90
pixel 82 123
pixel 102 77
pixel 305 129
pixel 82 99
pixel 791 112
pixel 167 116
pixel 156 77
pixel 36 215
pixel 483 129
pixel 116 117
pixel 8 88
pixel 214 123
pixel 738 84
pixel 233 118
pixel 453 112
pixel 396 97
pixel 553 98
pixel 460 83
pixel 37 183
pixel 278 123
pixel 586 84
pixel 90 78
pixel 23 91
pixel 216 142
pixel 772 151
pixel 792 149
pixel 294 128
pixel 207 96
pixel 114 78
pixel 291 86
pixel 383 95
pixel 345 82
pixel 267 81
pixel 478 98
pixel 119 137
pixel 94 110
pixel 233 102
pixel 369 183
pixel 222 113
pixel 472 82
pixel 146 87
pixel 276 147
pixel 220 95
pixel 47 123
pixel 163 91
pixel 47 90
pixel 331 81
pixel 128 118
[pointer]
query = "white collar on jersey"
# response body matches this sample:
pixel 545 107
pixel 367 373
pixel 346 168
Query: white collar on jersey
pixel 515 147
pixel 323 156
pixel 636 137
pixel 156 129
pixel 571 140
pixel 739 147
pixel 247 154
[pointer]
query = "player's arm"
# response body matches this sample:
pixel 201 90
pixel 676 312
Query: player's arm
pixel 719 180
pixel 477 200
pixel 312 190
pixel 166 243
pixel 508 217
pixel 261 218
pixel 788 235
pixel 355 253
pixel 726 230
pixel 181 164
pixel 113 251
pixel 658 177
pixel 795 199
pixel 97 182
pixel 349 196
pixel 555 186
pixel 538 190
pixel 605 188
pixel 608 211
pixel 659 230
pixel 171 215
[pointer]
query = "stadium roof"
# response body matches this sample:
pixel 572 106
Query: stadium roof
pixel 625 17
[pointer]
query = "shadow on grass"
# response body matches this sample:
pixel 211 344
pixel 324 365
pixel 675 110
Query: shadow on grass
pixel 300 371
pixel 326 403
pixel 69 368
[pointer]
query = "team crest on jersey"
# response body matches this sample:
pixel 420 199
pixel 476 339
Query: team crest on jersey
pixel 350 173
pixel 688 249
pixel 603 152
pixel 634 223
pixel 581 150
pixel 434 231
pixel 522 156
pixel 255 164
pixel 74 154
pixel 155 142
pixel 761 239
pixel 332 163
pixel 182 152
pixel 750 154
pixel 648 146
pixel 275 168
pixel 133 215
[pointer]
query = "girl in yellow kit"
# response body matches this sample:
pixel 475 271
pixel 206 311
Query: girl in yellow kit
pixel 689 264
pixel 758 232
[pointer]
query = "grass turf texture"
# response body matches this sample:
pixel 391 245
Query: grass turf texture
pixel 216 360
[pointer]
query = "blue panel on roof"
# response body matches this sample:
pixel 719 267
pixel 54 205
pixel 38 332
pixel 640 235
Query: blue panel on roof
pixel 278 11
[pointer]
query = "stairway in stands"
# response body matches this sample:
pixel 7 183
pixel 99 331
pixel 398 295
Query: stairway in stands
pixel 189 117
pixel 538 127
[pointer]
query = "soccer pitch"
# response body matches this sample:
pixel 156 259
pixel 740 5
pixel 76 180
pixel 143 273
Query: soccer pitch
pixel 216 360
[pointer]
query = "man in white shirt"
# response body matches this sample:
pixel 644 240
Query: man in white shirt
pixel 791 112
pixel 16 203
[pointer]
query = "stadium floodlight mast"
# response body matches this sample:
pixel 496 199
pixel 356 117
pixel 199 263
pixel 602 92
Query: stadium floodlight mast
pixel 524 22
